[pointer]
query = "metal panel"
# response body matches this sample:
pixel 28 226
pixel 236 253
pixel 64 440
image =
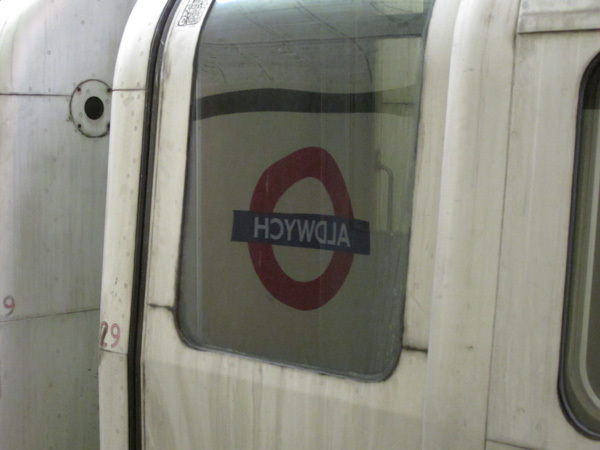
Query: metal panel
pixel 48 383
pixel 125 156
pixel 238 403
pixel 51 208
pixel 123 193
pixel 123 183
pixel 534 243
pixel 50 47
pixel 428 174
pixel 471 207
pixel 558 15
pixel 492 445
pixel 114 432
pixel 131 67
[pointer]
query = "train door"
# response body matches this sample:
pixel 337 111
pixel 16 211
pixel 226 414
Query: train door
pixel 275 247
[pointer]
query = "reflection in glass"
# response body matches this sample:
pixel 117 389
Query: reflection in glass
pixel 302 144
pixel 580 371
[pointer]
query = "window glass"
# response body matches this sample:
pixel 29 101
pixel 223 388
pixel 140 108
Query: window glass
pixel 300 181
pixel 580 373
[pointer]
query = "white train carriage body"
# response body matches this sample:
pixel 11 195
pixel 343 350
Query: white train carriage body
pixel 358 228
pixel 329 224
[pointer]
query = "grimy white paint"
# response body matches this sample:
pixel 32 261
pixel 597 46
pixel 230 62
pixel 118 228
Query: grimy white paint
pixel 491 211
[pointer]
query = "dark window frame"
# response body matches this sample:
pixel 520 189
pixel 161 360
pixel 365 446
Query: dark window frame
pixel 575 410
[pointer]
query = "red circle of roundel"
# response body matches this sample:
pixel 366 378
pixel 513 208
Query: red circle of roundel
pixel 310 162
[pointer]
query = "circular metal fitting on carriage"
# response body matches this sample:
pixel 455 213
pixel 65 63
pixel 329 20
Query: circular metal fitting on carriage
pixel 90 108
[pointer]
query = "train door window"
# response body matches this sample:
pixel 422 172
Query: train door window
pixel 580 368
pixel 300 181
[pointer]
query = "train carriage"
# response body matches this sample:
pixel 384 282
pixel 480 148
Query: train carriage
pixel 335 224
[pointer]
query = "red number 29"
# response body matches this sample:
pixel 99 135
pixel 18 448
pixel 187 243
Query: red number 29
pixel 115 332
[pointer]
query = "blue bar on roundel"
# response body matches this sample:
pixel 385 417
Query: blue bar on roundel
pixel 317 231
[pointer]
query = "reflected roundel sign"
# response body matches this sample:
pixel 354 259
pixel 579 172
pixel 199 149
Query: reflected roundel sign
pixel 262 228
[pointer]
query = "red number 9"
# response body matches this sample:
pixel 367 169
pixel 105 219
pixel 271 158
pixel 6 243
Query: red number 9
pixel 115 332
pixel 9 303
